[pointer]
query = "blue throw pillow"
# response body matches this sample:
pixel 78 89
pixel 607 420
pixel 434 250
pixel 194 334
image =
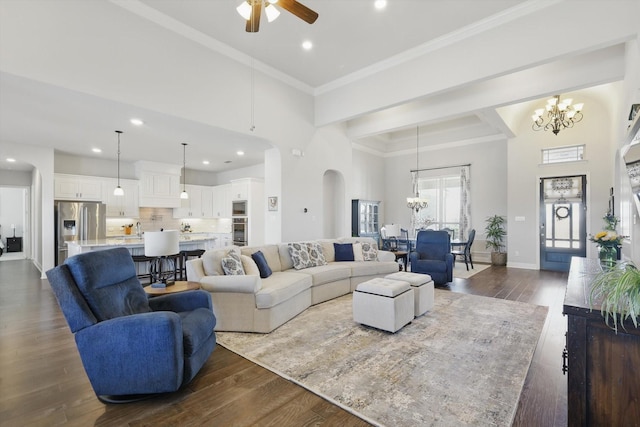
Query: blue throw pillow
pixel 344 251
pixel 261 262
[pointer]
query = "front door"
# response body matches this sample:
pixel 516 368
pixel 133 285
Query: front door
pixel 563 225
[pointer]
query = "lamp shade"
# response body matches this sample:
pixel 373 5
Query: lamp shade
pixel 392 230
pixel 161 243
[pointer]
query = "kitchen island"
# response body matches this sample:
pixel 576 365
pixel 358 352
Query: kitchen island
pixel 135 244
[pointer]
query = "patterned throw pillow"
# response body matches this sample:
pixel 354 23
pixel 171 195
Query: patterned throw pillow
pixel 316 256
pixel 369 251
pixel 232 265
pixel 299 255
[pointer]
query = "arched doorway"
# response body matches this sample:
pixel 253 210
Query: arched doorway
pixel 333 204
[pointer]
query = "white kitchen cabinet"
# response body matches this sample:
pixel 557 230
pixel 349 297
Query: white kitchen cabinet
pixel 77 187
pixel 161 190
pixel 221 195
pixel 125 206
pixel 251 190
pixel 240 189
pixel 198 205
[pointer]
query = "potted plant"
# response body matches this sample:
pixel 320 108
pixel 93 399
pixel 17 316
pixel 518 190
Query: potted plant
pixel 496 233
pixel 617 289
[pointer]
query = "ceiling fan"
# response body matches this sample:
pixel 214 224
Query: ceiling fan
pixel 252 9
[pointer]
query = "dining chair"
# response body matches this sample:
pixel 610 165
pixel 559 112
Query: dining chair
pixel 465 251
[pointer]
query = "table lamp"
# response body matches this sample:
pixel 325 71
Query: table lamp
pixel 162 245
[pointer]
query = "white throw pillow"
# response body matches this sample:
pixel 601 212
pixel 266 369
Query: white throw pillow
pixel 357 252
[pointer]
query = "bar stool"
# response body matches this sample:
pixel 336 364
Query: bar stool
pixel 147 261
pixel 184 257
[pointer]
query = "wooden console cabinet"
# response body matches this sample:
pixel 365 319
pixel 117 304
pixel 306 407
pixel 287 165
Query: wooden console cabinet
pixel 603 367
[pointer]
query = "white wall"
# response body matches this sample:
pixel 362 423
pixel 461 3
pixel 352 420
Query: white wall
pixel 13 205
pixel 368 178
pixel 524 158
pixel 15 178
pixel 488 183
pixel 42 236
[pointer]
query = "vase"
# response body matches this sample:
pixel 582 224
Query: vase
pixel 607 255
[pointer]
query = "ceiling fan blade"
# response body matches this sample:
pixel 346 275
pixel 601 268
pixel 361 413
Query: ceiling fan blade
pixel 253 23
pixel 298 9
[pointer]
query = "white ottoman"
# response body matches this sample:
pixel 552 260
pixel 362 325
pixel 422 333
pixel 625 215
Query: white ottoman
pixel 383 303
pixel 422 289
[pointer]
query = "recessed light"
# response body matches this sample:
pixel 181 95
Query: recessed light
pixel 205 162
pixel 380 4
pixel 307 45
pixel 96 150
pixel 136 122
pixel 11 160
pixel 240 153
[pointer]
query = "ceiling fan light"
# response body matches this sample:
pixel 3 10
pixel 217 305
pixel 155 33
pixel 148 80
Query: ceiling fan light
pixel 271 12
pixel 244 10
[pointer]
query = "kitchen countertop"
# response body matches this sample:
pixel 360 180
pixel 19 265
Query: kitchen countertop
pixel 136 242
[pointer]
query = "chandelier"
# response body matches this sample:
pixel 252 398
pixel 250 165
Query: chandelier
pixel 561 115
pixel 416 202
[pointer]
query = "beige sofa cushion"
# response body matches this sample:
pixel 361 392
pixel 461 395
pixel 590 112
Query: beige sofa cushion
pixel 212 260
pixel 249 265
pixel 370 268
pixel 270 253
pixel 285 256
pixel 328 249
pixel 328 273
pixel 280 287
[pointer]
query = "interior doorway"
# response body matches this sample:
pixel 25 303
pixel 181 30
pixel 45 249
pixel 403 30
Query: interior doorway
pixel 333 205
pixel 563 223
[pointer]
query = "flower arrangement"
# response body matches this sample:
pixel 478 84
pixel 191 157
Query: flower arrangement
pixel 608 241
pixel 608 237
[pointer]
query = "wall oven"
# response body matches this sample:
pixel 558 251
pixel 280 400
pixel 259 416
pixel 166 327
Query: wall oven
pixel 240 231
pixel 239 208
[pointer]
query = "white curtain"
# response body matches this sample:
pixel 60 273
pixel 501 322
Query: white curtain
pixel 465 201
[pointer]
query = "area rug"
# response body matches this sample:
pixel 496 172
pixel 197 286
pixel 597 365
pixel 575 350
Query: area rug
pixel 460 270
pixel 463 363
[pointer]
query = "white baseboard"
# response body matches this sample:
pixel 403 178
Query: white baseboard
pixel 522 265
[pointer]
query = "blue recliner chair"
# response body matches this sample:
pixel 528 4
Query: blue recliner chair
pixel 432 256
pixel 131 346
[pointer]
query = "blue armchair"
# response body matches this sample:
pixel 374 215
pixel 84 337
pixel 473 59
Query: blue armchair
pixel 131 346
pixel 432 256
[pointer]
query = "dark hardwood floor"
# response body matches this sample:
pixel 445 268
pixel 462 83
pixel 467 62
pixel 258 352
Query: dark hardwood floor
pixel 42 382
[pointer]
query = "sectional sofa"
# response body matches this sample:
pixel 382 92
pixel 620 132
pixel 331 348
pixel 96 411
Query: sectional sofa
pixel 247 302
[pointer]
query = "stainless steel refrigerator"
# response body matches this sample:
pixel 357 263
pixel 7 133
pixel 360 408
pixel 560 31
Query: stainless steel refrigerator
pixel 77 221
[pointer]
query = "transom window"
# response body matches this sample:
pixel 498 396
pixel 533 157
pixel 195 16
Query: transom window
pixel 573 153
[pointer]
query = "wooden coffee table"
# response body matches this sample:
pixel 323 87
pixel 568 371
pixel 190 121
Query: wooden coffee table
pixel 178 286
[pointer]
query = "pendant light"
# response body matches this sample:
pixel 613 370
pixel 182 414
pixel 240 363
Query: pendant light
pixel 118 190
pixel 416 202
pixel 184 194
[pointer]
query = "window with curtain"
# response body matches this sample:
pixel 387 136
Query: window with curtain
pixel 449 207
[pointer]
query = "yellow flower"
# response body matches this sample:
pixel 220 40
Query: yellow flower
pixel 599 235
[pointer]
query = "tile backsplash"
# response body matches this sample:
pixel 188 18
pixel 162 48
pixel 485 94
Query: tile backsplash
pixel 153 219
